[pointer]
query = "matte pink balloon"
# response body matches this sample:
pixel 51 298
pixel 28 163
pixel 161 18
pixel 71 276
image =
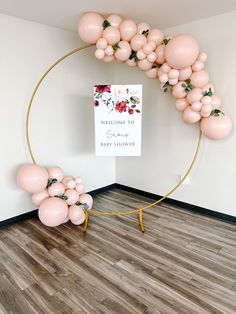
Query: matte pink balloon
pixel 143 27
pixel 70 184
pixel 215 102
pixel 86 199
pixel 190 116
pixel 181 104
pixel 181 51
pixel 141 55
pixel 112 35
pixel 197 66
pixel 65 221
pixel 56 173
pixel 53 211
pixel 173 74
pixel 149 47
pixel 155 35
pixel 144 65
pixel 216 128
pixel 196 106
pixel 199 79
pixel 128 29
pixel 185 73
pixel 160 51
pixel 194 95
pixel 206 100
pixel 160 72
pixel 101 43
pixel 152 57
pixel 100 54
pixel 202 57
pixel 165 68
pixel 73 196
pixel 173 81
pixel 138 41
pixel 164 78
pixel 78 222
pixel 123 53
pixel 115 20
pixel 108 58
pixel 90 27
pixel 178 91
pixel 152 73
pixel 32 178
pixel 206 110
pixel 79 188
pixel 131 63
pixel 37 198
pixel 56 189
pixel 109 51
pixel 76 213
pixel 78 180
pixel 65 179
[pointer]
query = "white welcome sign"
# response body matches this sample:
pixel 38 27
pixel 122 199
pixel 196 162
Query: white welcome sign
pixel 118 120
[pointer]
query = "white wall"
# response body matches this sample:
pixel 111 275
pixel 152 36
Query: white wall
pixel 62 128
pixel 169 144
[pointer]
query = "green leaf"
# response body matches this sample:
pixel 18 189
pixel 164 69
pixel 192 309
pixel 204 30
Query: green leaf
pixel 216 112
pixel 134 100
pixel 51 181
pixel 116 47
pixel 106 24
pixel 145 33
pixel 165 41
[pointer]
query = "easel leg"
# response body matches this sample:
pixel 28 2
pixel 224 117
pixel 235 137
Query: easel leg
pixel 85 227
pixel 140 215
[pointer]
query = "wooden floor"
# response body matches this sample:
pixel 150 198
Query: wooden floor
pixel 184 263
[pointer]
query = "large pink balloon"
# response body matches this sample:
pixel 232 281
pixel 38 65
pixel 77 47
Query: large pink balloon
pixel 179 91
pixel 53 211
pixel 37 198
pixel 56 189
pixel 190 116
pixel 128 29
pixel 181 51
pixel 124 51
pixel 199 79
pixel 86 199
pixel 112 35
pixel 32 178
pixel 56 173
pixel 90 27
pixel 76 214
pixel 73 196
pixel 216 127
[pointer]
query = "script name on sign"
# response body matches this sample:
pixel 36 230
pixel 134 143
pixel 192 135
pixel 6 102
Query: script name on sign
pixel 118 120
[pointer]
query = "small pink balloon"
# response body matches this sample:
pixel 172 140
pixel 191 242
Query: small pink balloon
pixel 112 35
pixel 101 43
pixel 143 27
pixel 37 198
pixel 196 106
pixel 76 213
pixel 181 51
pixel 124 51
pixel 164 78
pixel 79 188
pixel 152 73
pixel 73 196
pixel 155 35
pixel 78 222
pixel 90 27
pixel 199 79
pixel 185 73
pixel 165 68
pixel 65 179
pixel 32 178
pixel 99 54
pixel 160 72
pixel 173 74
pixel 141 55
pixel 109 51
pixel 190 116
pixel 115 20
pixel 206 100
pixel 144 65
pixel 56 189
pixel 202 57
pixel 86 199
pixel 152 57
pixel 216 127
pixel 197 66
pixel 149 47
pixel 173 81
pixel 65 221
pixel 70 184
pixel 195 95
pixel 178 91
pixel 56 173
pixel 160 51
pixel 53 211
pixel 181 104
pixel 206 110
pixel 108 58
pixel 215 102
pixel 138 41
pixel 131 62
pixel 128 29
pixel 207 87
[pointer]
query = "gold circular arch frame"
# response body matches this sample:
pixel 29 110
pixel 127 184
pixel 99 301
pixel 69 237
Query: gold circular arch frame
pixel 110 213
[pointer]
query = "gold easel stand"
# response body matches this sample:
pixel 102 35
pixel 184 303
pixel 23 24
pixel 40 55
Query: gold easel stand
pixel 92 211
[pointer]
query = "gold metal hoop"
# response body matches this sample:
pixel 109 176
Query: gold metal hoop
pixel 110 213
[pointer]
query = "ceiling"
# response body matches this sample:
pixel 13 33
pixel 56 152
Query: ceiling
pixel 160 13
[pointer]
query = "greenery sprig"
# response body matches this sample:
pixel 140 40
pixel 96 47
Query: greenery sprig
pixel 133 56
pixel 208 92
pixel 62 196
pixel 145 33
pixel 187 86
pixel 85 205
pixel 166 86
pixel 106 24
pixel 216 112
pixel 165 41
pixel 51 181
pixel 115 47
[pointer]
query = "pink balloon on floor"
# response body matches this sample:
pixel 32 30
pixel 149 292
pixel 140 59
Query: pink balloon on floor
pixel 128 29
pixel 56 189
pixel 124 51
pixel 181 51
pixel 76 213
pixel 73 196
pixel 78 222
pixel 86 199
pixel 178 91
pixel 37 198
pixel 32 178
pixel 53 211
pixel 56 173
pixel 216 127
pixel 190 116
pixel 199 79
pixel 90 27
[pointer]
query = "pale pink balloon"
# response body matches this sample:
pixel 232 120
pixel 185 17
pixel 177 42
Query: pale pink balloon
pixel 76 213
pixel 100 54
pixel 144 65
pixel 200 78
pixel 37 198
pixel 143 27
pixel 160 51
pixel 206 100
pixel 65 179
pixel 109 51
pixel 124 51
pixel 197 66
pixel 164 78
pixel 160 72
pixel 215 102
pixel 108 58
pixel 131 62
pixel 138 41
pixel 101 43
pixel 86 199
pixel 196 106
pixel 79 188
pixel 90 27
pixel 206 110
pixel 190 116
pixel 194 95
pixel 202 57
pixel 181 104
pixel 152 57
pixel 173 81
pixel 185 73
pixel 115 20
pixel 53 211
pixel 70 184
pixel 141 55
pixel 128 29
pixel 149 47
pixel 207 87
pixel 56 189
pixel 32 178
pixel 112 35
pixel 78 222
pixel 178 91
pixel 216 127
pixel 173 74
pixel 181 51
pixel 56 173
pixel 65 221
pixel 152 73
pixel 165 68
pixel 73 196
pixel 155 35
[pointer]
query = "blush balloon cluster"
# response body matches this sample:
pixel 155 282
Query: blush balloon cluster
pixel 59 197
pixel 175 61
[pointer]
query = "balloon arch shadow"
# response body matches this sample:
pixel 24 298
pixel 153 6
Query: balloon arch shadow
pixel 93 211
